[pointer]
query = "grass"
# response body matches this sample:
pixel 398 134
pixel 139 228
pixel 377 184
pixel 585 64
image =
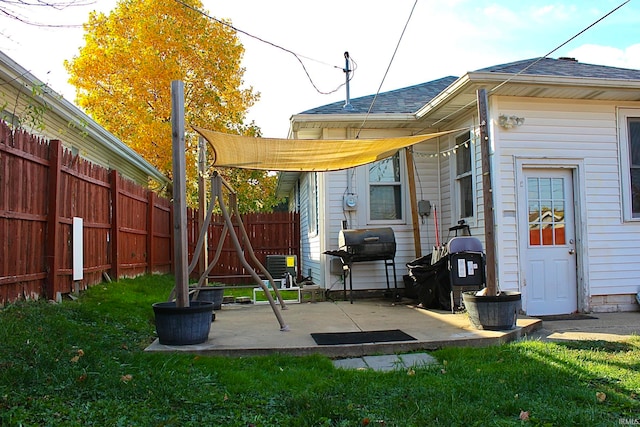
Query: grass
pixel 82 363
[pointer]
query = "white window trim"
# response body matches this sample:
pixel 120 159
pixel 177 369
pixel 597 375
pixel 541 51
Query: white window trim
pixel 312 205
pixel 456 177
pixel 625 161
pixel 403 197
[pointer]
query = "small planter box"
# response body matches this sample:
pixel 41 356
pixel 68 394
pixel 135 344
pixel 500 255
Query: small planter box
pixel 289 295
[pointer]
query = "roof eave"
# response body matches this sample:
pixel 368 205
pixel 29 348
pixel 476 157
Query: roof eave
pixel 298 121
pixel 553 80
pixel 72 114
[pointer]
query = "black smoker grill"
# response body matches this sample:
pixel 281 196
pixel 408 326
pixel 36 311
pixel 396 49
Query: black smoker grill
pixel 373 244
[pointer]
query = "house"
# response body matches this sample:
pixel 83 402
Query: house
pixel 564 141
pixel 28 103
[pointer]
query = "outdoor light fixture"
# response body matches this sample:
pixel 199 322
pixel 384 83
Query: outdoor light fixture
pixel 507 122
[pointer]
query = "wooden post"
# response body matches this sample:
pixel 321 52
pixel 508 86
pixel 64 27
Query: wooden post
pixel 115 224
pixel 414 202
pixel 487 193
pixel 179 195
pixel 53 219
pixel 203 260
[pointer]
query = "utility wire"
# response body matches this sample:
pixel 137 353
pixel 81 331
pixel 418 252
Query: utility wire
pixel 387 71
pixel 492 90
pixel 296 55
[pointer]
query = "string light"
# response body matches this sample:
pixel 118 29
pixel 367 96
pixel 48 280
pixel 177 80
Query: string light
pixel 449 151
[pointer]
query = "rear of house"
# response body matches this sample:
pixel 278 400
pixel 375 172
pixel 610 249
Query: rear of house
pixel 564 144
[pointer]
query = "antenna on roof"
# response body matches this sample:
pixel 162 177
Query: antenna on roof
pixel 347 103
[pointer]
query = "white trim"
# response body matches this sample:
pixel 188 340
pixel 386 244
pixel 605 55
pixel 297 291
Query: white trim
pixel 623 114
pixel 580 218
pixel 403 196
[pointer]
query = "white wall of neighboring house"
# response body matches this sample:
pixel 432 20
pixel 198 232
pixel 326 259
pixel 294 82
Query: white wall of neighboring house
pixel 43 112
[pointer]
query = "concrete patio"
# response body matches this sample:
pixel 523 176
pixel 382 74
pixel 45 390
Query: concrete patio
pixel 252 329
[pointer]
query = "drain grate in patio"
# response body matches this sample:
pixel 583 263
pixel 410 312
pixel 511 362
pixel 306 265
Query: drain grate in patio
pixel 364 337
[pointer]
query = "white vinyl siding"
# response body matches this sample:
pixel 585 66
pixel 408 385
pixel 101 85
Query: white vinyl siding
pixel 576 133
pixel 309 250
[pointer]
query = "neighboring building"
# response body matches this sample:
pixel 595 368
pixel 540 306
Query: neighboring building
pixel 565 155
pixel 28 103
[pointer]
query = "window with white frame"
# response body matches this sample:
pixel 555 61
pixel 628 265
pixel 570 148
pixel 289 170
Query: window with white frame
pixel 312 203
pixel 385 189
pixel 464 175
pixel 629 124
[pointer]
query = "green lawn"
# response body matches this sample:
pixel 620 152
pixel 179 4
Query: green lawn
pixel 82 363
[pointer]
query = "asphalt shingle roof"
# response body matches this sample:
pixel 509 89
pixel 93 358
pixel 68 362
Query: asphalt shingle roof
pixel 410 99
pixel 563 67
pixel 406 100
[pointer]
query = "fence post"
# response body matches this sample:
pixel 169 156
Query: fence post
pixel 53 219
pixel 115 224
pixel 151 201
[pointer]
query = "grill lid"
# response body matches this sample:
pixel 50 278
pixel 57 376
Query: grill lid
pixel 368 244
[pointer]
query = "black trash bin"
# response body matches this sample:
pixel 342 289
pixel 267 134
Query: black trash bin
pixel 431 282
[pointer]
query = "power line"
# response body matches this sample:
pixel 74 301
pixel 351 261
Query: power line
pixel 387 71
pixel 495 88
pixel 295 55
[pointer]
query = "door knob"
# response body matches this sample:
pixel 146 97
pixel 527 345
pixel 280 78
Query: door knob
pixel 572 251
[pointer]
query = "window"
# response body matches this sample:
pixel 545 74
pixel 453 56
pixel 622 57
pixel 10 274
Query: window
pixel 629 131
pixel 464 175
pixel 634 164
pixel 312 203
pixel 385 189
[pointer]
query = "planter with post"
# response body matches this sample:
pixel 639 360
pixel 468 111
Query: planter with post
pixel 180 322
pixel 490 309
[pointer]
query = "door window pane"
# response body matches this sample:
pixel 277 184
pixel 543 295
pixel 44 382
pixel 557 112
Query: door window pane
pixel 546 211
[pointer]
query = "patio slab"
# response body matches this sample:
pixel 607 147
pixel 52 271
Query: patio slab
pixel 249 330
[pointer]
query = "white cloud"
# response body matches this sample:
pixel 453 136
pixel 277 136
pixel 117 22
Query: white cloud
pixel 628 57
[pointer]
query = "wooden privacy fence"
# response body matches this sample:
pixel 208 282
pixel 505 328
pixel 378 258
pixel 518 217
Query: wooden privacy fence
pixel 126 227
pixel 276 233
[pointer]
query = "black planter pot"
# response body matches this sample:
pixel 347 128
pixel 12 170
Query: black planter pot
pixel 494 313
pixel 183 325
pixel 213 294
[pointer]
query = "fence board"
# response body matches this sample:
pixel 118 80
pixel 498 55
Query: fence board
pixel 127 229
pixel 269 234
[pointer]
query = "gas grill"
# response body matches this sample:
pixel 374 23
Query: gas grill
pixel 365 245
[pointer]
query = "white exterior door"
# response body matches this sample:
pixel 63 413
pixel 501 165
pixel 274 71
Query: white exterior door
pixel 550 259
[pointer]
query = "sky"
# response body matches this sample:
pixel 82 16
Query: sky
pixel 442 38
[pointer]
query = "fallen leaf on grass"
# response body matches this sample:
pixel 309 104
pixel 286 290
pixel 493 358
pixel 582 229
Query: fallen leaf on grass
pixel 411 372
pixel 601 396
pixel 524 415
pixel 126 378
pixel 78 355
pixel 82 378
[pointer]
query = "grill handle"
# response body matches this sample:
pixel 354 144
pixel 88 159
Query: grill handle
pixel 371 239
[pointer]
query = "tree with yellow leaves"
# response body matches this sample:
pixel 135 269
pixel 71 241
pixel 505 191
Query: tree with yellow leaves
pixel 123 77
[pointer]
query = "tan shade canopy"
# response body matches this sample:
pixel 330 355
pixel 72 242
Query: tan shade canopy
pixel 303 155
